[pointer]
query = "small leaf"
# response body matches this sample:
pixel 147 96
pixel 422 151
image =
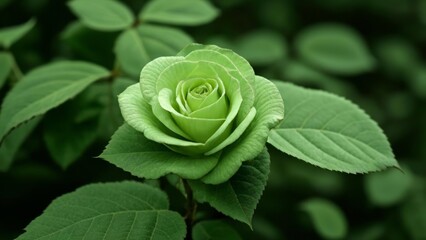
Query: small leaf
pixel 6 64
pixel 388 187
pixel 249 47
pixel 69 129
pixel 13 142
pixel 330 132
pixel 125 210
pixel 10 35
pixel 334 48
pixel 137 47
pixel 45 88
pixel 132 152
pixel 182 12
pixel 327 218
pixel 104 15
pixel 239 196
pixel 214 230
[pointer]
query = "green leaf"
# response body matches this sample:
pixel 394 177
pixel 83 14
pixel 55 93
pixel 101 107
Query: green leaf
pixel 10 35
pixel 182 12
pixel 239 196
pixel 69 130
pixel 214 230
pixel 125 210
pixel 6 64
pixel 249 47
pixel 330 132
pixel 388 187
pixel 136 47
pixel 302 74
pixel 132 152
pixel 13 142
pixel 104 15
pixel 334 48
pixel 327 218
pixel 46 88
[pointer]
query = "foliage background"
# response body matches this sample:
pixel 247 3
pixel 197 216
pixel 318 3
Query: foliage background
pixel 392 90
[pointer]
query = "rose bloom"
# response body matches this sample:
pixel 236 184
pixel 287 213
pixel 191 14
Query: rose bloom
pixel 205 101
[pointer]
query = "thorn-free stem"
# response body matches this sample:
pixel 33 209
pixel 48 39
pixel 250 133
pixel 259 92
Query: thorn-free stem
pixel 191 208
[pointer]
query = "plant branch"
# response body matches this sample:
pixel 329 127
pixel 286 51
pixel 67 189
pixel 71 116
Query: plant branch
pixel 191 208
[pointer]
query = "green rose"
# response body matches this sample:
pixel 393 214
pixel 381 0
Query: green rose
pixel 205 101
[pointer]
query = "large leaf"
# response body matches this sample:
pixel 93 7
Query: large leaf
pixel 328 220
pixel 131 151
pixel 126 210
pixel 44 89
pixel 10 35
pixel 182 12
pixel 330 132
pixel 388 187
pixel 334 48
pixel 238 197
pixel 6 64
pixel 214 230
pixel 106 15
pixel 137 47
pixel 13 142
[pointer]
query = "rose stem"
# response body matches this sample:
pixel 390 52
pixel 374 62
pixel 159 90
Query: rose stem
pixel 191 208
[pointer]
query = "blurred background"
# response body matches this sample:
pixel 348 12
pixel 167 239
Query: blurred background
pixel 369 51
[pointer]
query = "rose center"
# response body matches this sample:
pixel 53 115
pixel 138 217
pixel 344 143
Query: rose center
pixel 202 90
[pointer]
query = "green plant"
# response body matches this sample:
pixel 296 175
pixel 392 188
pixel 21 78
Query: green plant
pixel 194 127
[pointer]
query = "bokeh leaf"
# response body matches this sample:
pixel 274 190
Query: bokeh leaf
pixel 214 230
pixel 132 152
pixel 182 12
pixel 327 218
pixel 89 44
pixel 239 196
pixel 388 187
pixel 6 64
pixel 10 35
pixel 414 211
pixel 137 47
pixel 125 210
pixel 104 15
pixel 301 74
pixel 334 48
pixel 262 47
pixel 330 132
pixel 45 88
